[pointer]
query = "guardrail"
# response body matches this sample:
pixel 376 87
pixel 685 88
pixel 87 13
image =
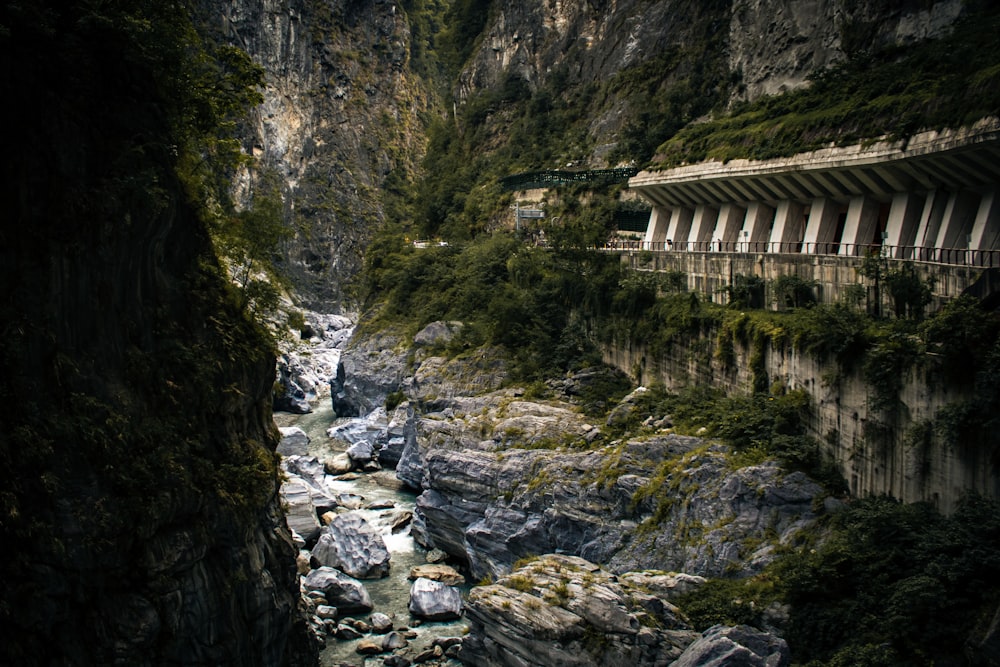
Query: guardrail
pixel 959 256
pixel 549 177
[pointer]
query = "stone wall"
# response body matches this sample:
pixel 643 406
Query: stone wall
pixel 876 454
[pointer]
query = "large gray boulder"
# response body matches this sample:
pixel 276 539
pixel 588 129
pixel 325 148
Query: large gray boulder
pixel 563 610
pixel 740 646
pixel 345 593
pixel 353 546
pixel 434 601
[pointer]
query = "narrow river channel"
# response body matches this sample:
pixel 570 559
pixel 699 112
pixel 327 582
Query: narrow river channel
pixel 390 594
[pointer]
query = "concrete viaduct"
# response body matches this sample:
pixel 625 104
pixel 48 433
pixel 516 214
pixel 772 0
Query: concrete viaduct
pixel 934 197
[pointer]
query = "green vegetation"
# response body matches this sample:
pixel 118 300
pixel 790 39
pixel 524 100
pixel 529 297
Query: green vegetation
pixel 945 83
pixel 882 584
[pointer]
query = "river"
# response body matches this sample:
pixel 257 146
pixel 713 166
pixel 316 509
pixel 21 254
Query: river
pixel 390 594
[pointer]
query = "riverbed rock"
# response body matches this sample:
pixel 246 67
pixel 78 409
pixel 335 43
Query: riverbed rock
pixel 353 546
pixel 394 641
pixel 434 601
pixel 381 623
pixel 300 513
pixel 740 646
pixel 326 612
pixel 369 646
pixel 346 632
pixel 345 593
pixel 564 610
pixel 338 464
pixel 361 452
pixel 294 441
pixel 443 573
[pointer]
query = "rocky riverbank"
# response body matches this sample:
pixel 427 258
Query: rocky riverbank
pixel 503 476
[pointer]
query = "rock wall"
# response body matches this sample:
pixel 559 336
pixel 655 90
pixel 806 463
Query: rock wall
pixel 504 478
pixel 877 453
pixel 140 518
pixel 339 118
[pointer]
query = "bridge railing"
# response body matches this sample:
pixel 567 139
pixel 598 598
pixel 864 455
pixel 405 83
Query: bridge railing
pixel 961 256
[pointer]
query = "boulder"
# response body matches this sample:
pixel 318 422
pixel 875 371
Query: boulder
pixel 300 513
pixel 564 610
pixel 436 556
pixel 398 521
pixel 394 641
pixel 309 468
pixel 434 601
pixel 352 545
pixel 740 646
pixel 437 333
pixel 346 632
pixel 326 612
pixel 444 573
pixel 368 646
pixel 361 452
pixel 294 441
pixel 338 464
pixel 345 593
pixel 381 623
pixel 351 501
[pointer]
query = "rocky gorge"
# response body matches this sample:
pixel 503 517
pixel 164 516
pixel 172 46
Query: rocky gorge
pixel 521 493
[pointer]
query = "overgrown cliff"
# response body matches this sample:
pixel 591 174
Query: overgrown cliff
pixel 139 510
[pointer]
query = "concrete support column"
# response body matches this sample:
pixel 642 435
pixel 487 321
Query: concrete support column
pixel 727 229
pixel 821 228
pixel 702 226
pixel 904 218
pixel 786 235
pixel 679 228
pixel 986 229
pixel 760 218
pixel 930 222
pixel 860 226
pixel 656 230
pixel 959 217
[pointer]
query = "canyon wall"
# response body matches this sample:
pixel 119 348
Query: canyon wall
pixel 877 452
pixel 339 123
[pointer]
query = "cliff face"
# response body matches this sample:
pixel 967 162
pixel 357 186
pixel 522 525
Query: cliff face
pixel 753 48
pixel 774 45
pixel 339 120
pixel 139 508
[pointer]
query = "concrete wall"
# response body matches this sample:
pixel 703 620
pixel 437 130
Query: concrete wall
pixel 711 272
pixel 876 455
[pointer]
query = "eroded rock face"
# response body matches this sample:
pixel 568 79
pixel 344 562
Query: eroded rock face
pixel 777 44
pixel 490 504
pixel 563 610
